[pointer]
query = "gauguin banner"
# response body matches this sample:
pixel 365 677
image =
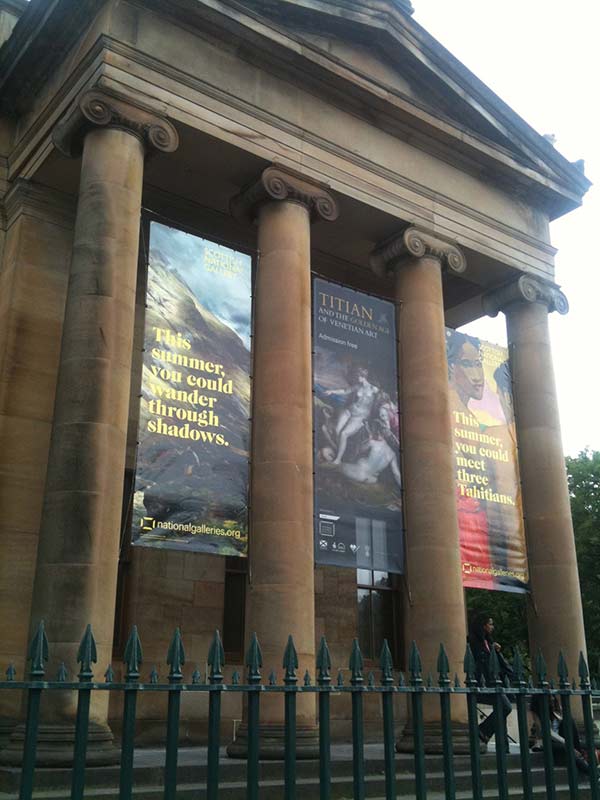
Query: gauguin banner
pixel 191 487
pixel 490 515
pixel 358 516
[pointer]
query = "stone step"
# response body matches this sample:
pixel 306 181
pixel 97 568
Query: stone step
pixel 101 784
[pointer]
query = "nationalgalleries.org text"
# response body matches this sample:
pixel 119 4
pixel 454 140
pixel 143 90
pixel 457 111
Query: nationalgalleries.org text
pixel 189 527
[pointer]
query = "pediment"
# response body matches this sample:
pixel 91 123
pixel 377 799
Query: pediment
pixel 367 56
pixel 388 61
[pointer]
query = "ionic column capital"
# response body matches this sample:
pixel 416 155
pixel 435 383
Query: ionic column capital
pixel 279 183
pixel 416 243
pixel 525 290
pixel 96 108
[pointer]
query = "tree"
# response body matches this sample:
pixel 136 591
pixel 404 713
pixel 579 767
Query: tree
pixel 584 487
pixel 509 612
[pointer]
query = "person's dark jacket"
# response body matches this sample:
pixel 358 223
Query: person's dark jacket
pixel 481 647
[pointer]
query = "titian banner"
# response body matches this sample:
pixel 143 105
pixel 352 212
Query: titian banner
pixel 358 518
pixel 490 516
pixel 191 488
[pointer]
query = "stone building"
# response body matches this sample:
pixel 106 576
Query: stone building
pixel 348 142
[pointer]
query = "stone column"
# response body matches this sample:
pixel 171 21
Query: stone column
pixel 78 550
pixel 280 596
pixel 555 613
pixel 435 599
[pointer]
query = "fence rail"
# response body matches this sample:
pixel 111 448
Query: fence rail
pixel 388 685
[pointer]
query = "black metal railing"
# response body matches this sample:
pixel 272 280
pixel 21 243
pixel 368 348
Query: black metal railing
pixel 520 690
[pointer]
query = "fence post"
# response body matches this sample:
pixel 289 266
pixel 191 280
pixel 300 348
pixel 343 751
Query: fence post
pixel 471 684
pixel 175 660
pixel 86 656
pixel 416 681
pixel 358 759
pixel 216 662
pixel 38 654
pixel 588 721
pixel 387 701
pixel 290 664
pixel 521 701
pixel 546 738
pixel 254 663
pixel 133 661
pixel 565 697
pixel 324 682
pixel 443 668
pixel 499 726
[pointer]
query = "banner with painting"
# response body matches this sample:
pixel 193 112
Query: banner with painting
pixel 191 486
pixel 358 516
pixel 488 493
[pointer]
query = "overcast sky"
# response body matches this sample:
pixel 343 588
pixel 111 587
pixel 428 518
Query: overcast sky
pixel 542 57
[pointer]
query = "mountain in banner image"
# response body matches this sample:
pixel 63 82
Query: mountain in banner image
pixel 178 479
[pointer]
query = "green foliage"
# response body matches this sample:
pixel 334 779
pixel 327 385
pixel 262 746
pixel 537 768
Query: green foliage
pixel 584 487
pixel 509 612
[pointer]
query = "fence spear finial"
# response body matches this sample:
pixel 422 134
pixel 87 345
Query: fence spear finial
pixel 290 662
pixel 38 652
pixel 254 660
pixel 216 659
pixel 541 668
pixel 584 673
pixel 133 655
pixel 563 671
pixel 176 657
pixel 443 667
pixel 386 664
pixel 87 654
pixel 414 665
pixel 323 663
pixel 356 664
pixel 469 666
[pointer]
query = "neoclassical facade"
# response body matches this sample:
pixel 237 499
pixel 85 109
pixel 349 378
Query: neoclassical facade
pixel 336 138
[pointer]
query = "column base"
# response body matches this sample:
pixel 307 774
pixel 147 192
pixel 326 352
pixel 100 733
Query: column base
pixel 433 739
pixel 271 743
pixel 55 745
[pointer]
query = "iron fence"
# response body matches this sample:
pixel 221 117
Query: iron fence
pixel 388 685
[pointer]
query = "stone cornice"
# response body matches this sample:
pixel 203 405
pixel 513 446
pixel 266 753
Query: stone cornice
pixel 98 109
pixel 278 183
pixel 28 197
pixel 525 290
pixel 415 242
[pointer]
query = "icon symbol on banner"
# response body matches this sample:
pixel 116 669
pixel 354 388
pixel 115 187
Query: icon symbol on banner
pixel 355 548
pixel 327 524
pixel 341 547
pixel 147 523
pixel 323 544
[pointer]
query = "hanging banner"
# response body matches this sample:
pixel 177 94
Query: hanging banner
pixel 358 518
pixel 191 487
pixel 490 514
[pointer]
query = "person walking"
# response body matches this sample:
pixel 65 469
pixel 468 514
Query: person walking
pixel 481 641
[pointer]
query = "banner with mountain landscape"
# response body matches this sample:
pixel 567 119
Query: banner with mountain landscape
pixel 191 487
